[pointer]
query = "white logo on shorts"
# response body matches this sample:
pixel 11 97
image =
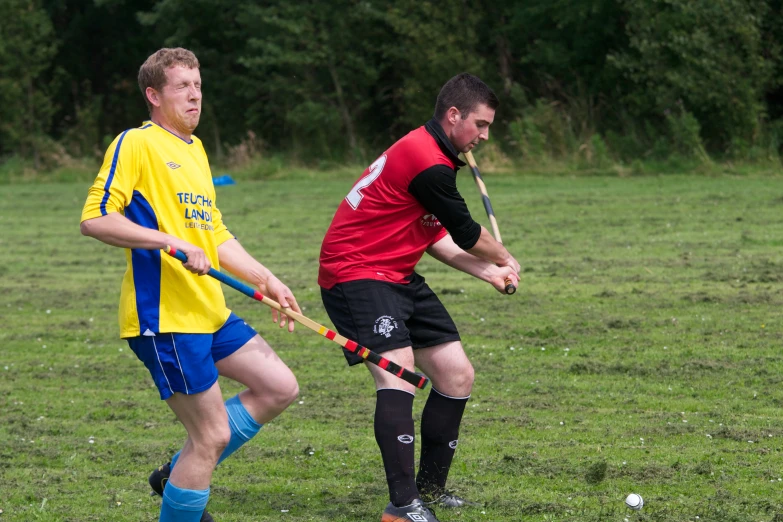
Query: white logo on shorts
pixel 384 325
pixel 453 444
pixel 405 439
pixel 416 517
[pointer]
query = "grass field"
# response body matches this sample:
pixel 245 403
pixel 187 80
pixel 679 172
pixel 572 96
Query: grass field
pixel 642 353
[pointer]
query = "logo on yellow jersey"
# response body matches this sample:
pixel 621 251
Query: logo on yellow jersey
pixel 198 210
pixel 173 165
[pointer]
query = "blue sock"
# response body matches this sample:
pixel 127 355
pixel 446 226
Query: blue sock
pixel 243 428
pixel 183 505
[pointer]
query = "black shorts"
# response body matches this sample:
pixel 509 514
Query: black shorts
pixel 384 316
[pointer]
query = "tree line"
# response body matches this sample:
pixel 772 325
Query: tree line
pixel 339 80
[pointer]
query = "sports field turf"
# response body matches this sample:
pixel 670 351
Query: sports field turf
pixel 642 353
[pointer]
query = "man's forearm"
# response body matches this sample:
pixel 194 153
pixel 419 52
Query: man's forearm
pixel 117 230
pixel 489 250
pixel 447 252
pixel 234 258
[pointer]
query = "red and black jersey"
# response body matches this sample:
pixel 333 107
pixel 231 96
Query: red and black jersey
pixel 403 203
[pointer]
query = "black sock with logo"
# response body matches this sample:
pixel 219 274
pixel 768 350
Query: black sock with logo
pixel 394 433
pixel 440 422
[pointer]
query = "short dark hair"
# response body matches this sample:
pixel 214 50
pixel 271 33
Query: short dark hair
pixel 465 92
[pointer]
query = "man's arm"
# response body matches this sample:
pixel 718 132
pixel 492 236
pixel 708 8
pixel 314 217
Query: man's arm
pixel 117 230
pixel 489 249
pixel 436 189
pixel 446 251
pixel 234 258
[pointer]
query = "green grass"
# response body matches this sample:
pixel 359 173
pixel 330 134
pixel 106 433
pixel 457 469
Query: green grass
pixel 642 353
pixel 15 170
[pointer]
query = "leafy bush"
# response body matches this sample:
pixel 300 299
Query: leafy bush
pixel 685 134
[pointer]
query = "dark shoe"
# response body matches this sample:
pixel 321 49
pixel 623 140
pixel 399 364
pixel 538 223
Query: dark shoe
pixel 450 500
pixel 158 479
pixel 415 512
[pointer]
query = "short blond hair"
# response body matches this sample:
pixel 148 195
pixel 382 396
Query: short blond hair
pixel 152 72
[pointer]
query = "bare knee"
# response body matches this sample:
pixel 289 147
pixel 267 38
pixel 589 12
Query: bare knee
pixel 458 382
pixel 210 443
pixel 287 393
pixel 219 438
pixel 464 379
pixel 385 380
pixel 280 396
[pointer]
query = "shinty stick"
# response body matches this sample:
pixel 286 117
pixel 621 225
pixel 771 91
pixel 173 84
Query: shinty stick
pixel 510 288
pixel 406 375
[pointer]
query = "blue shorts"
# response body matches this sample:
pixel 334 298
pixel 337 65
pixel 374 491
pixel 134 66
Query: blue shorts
pixel 185 363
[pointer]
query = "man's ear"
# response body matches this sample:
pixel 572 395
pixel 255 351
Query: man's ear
pixel 453 115
pixel 152 96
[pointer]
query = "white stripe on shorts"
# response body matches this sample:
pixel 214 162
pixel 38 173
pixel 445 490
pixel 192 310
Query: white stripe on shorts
pixel 161 364
pixel 180 364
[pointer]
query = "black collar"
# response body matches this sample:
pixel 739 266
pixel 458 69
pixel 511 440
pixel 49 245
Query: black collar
pixel 436 131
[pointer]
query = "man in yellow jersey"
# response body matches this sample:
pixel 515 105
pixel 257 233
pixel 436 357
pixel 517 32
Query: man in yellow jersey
pixel 155 189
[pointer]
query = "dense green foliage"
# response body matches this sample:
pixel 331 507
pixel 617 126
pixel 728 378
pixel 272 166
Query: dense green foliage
pixel 590 80
pixel 640 354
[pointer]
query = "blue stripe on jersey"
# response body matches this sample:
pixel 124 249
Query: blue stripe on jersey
pixel 146 267
pixel 111 174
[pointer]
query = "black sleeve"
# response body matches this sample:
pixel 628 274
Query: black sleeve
pixel 436 190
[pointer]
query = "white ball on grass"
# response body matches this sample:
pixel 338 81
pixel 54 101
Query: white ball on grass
pixel 634 501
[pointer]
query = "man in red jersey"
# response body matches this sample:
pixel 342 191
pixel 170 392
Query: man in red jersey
pixel 404 204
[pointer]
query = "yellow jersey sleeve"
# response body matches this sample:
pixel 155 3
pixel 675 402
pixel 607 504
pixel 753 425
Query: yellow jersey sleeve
pixel 113 188
pixel 221 231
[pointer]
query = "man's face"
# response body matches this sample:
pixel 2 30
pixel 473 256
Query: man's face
pixel 467 132
pixel 180 98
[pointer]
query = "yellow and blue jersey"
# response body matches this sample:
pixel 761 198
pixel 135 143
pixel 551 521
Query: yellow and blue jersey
pixel 159 181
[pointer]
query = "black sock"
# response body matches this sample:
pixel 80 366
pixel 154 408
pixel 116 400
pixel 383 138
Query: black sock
pixel 440 422
pixel 394 433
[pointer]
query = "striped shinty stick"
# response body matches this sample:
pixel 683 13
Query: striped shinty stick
pixel 510 288
pixel 365 353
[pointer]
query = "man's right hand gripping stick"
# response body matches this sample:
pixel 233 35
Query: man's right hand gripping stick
pixel 365 353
